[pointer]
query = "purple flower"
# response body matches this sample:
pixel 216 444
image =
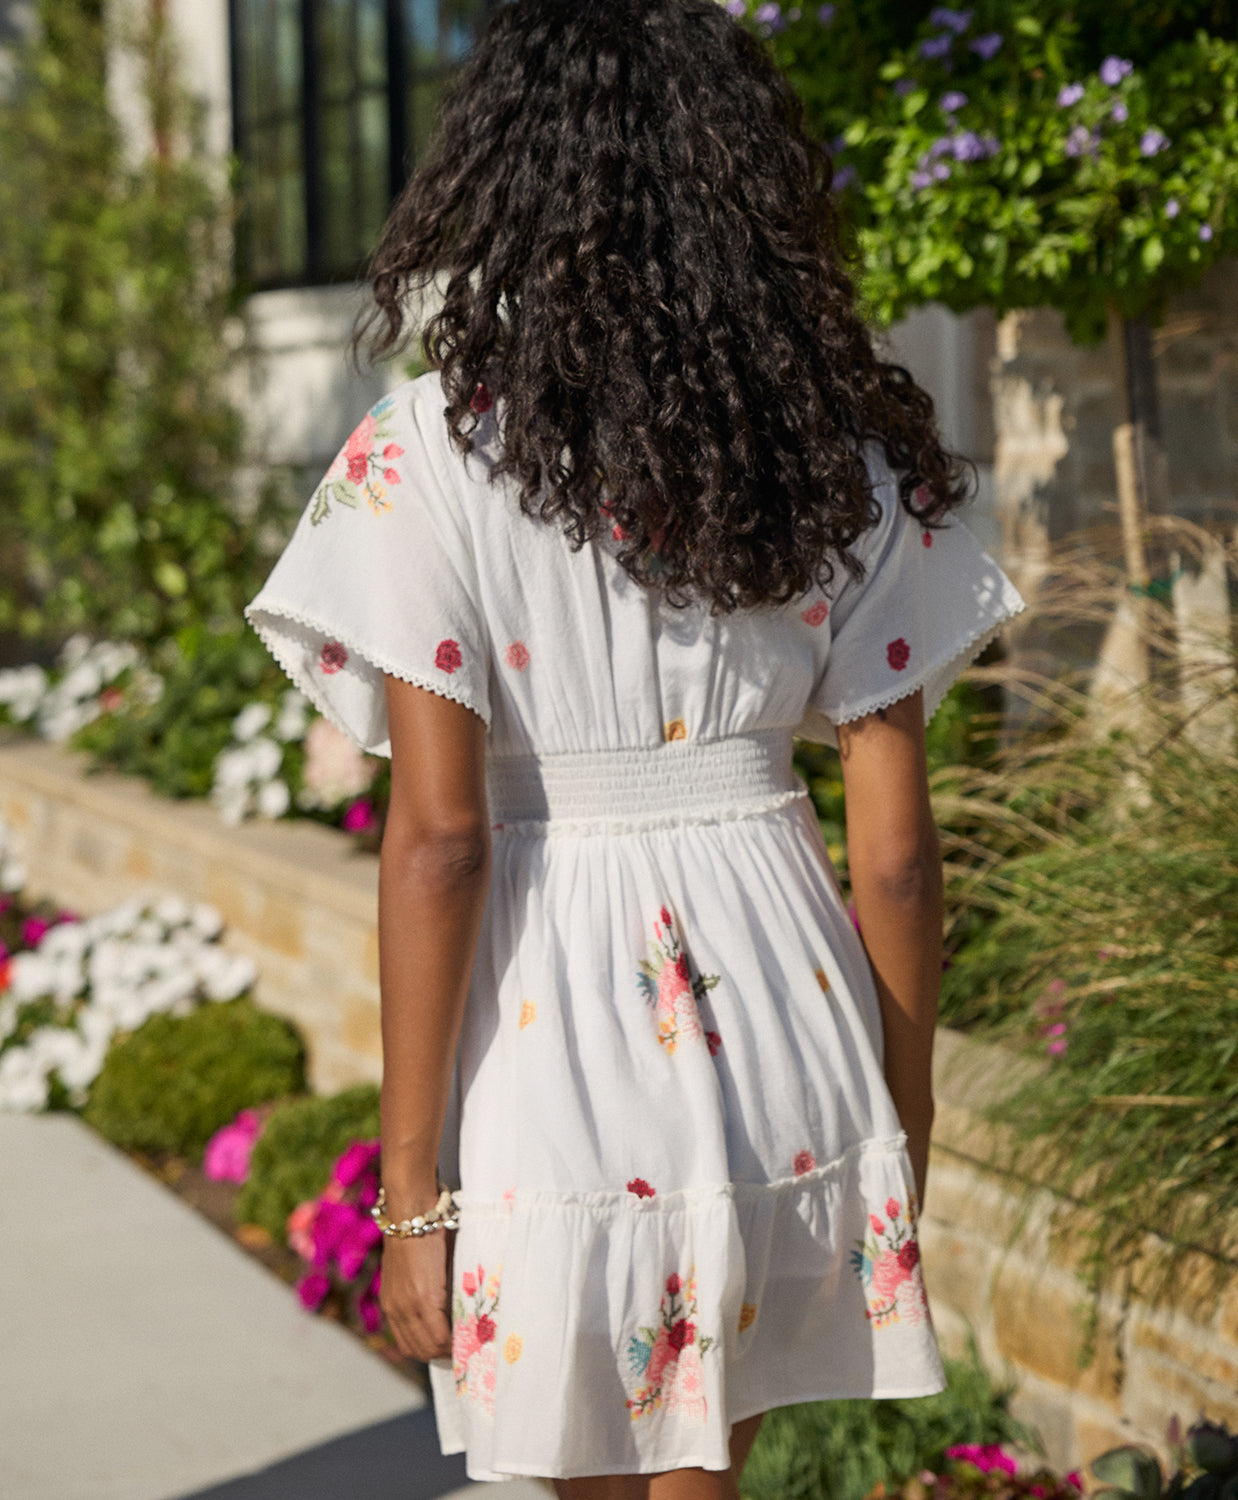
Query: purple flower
pixel 941 171
pixel 1114 69
pixel 736 8
pixel 1082 139
pixel 904 86
pixel 956 20
pixel 1172 208
pixel 969 147
pixel 1119 112
pixel 921 180
pixel 1205 232
pixel 839 143
pixel 769 14
pixel 844 177
pixel 1152 141
pixel 1068 94
pixel 949 103
pixel 826 15
pixel 988 45
pixel 937 46
pixel 942 146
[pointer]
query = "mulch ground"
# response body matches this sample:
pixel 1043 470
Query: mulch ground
pixel 216 1201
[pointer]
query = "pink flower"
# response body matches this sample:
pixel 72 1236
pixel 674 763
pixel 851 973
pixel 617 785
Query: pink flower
pixel 663 1354
pixel 892 1208
pixel 359 816
pixel 485 1329
pixel 878 1226
pixel 393 450
pixel 464 1341
pixel 665 918
pixel 927 538
pixel 468 1283
pixel 353 1161
pixel 333 656
pixel 355 1245
pixel 1057 1046
pixel 1075 1478
pixel 332 1224
pixel 641 1188
pixel 32 930
pixel 804 1161
pixel 898 653
pixel 517 656
pixel 226 1158
pixel 300 1228
pixel 985 1457
pixel 681 1334
pixel 358 467
pixel 371 1314
pixel 313 1288
pixel 674 1285
pixel 815 613
pixel 447 656
pixel 392 476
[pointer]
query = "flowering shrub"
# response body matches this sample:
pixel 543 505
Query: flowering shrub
pixel 88 679
pixel 336 1235
pixel 248 776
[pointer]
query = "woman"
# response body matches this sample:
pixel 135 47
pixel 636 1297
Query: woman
pixel 657 507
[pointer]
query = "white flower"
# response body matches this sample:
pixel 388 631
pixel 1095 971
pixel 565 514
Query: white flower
pixel 233 804
pixel 172 911
pixel 22 689
pixel 274 799
pixel 253 718
pixel 205 920
pixel 12 873
pixel 231 770
pixel 232 979
pixel 265 758
pixel 146 686
pixel 84 681
pixel 73 650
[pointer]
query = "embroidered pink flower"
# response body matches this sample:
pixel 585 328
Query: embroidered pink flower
pixel 665 917
pixel 517 656
pixel 447 657
pixel 392 476
pixel 898 653
pixel 927 538
pixel 878 1226
pixel 482 400
pixel 333 656
pixel 485 1329
pixel 893 1208
pixel 674 1285
pixel 815 613
pixel 359 470
pixel 468 1283
pixel 640 1187
pixel 666 981
pixel 665 1359
pixel 888 1264
pixel 393 450
pixel 804 1161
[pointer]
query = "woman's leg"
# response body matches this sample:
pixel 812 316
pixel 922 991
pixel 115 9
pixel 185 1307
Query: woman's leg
pixel 677 1484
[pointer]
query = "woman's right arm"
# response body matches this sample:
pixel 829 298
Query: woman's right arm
pixel 894 862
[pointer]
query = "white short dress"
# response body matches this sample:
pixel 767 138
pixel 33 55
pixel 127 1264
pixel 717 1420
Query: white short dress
pixel 685 1196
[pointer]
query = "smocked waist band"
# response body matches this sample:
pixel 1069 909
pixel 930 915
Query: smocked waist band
pixel 682 781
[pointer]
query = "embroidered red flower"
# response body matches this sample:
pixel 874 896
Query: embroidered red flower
pixel 878 1226
pixel 815 613
pixel 714 1041
pixel 927 538
pixel 618 533
pixel 447 658
pixel 665 916
pixel 681 968
pixel 332 656
pixel 392 476
pixel 673 1284
pixel 804 1161
pixel 482 400
pixel 358 467
pixel 680 1334
pixel 393 450
pixel 909 1256
pixel 892 1208
pixel 485 1328
pixel 898 654
pixel 517 656
pixel 641 1188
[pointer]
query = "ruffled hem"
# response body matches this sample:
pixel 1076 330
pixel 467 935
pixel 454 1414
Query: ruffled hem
pixel 626 1332
pixel 262 614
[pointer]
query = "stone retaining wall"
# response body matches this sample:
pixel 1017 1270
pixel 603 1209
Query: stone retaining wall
pixel 302 903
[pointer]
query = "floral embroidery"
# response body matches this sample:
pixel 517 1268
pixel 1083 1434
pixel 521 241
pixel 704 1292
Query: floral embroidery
pixel 819 975
pixel 513 1348
pixel 528 1013
pixel 473 1348
pixel 482 400
pixel 714 1041
pixel 675 729
pixel 640 1187
pixel 666 1360
pixel 815 613
pixel 927 538
pixel 887 1262
pixel 898 654
pixel 672 993
pixel 332 656
pixel 804 1161
pixel 362 467
pixel 517 656
pixel 447 657
pixel 747 1316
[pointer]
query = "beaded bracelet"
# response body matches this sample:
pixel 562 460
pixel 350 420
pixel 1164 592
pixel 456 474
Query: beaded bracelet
pixel 444 1215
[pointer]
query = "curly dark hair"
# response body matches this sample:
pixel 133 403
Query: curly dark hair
pixel 642 257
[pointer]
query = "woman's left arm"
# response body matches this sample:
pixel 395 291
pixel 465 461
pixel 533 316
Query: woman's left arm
pixel 434 873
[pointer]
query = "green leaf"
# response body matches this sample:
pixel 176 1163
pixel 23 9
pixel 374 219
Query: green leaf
pixel 1152 253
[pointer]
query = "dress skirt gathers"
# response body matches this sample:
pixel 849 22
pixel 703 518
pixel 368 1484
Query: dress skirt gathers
pixel 685 1195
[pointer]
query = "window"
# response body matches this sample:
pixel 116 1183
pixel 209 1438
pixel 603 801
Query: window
pixel 333 103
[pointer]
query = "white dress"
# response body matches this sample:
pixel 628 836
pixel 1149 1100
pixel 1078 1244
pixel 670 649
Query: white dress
pixel 685 1193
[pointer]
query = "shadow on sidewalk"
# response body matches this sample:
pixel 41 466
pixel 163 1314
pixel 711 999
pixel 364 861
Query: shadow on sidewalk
pixel 400 1456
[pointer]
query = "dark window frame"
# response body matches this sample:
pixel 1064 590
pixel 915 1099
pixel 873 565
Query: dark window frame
pixel 402 78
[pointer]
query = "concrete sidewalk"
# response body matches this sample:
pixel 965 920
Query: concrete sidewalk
pixel 145 1356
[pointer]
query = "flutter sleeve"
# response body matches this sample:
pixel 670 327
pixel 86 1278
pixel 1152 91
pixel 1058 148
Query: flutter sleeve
pixel 380 576
pixel 928 604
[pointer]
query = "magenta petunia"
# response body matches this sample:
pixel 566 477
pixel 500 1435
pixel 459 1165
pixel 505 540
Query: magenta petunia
pixel 312 1288
pixel 447 657
pixel 354 1161
pixel 333 656
pixel 898 653
pixel 227 1153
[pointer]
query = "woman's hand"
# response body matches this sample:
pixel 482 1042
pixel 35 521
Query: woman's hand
pixel 412 1291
